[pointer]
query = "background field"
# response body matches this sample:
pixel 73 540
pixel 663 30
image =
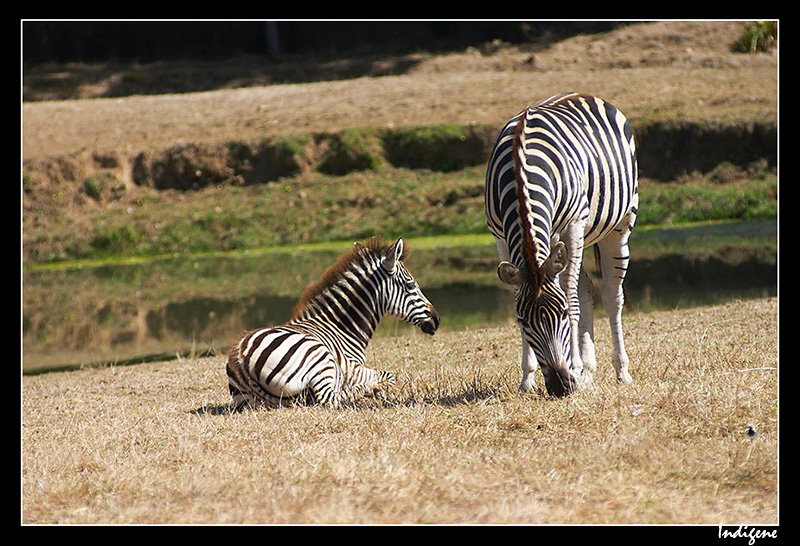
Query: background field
pixel 454 443
pixel 403 153
pixel 666 70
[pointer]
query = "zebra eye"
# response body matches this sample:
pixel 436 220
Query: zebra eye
pixel 411 285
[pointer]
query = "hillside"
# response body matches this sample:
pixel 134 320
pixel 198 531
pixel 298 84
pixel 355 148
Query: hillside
pixel 91 159
pixel 661 70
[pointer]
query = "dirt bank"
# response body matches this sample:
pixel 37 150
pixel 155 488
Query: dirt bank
pixel 662 70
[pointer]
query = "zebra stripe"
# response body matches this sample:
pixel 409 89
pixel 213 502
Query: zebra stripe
pixel 319 354
pixel 563 176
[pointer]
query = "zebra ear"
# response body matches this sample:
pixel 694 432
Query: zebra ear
pixel 509 273
pixel 557 260
pixel 394 255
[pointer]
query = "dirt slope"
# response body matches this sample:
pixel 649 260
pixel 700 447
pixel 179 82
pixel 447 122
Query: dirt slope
pixel 663 70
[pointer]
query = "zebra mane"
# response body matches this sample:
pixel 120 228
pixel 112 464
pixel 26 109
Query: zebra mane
pixel 372 247
pixel 531 271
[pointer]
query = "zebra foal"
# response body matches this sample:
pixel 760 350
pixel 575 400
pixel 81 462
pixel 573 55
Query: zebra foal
pixel 319 354
pixel 563 176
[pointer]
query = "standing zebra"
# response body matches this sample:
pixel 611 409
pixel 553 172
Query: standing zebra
pixel 563 176
pixel 319 354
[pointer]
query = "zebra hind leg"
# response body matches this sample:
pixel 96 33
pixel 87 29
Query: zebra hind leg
pixel 240 399
pixel 238 384
pixel 614 257
pixel 245 391
pixel 253 399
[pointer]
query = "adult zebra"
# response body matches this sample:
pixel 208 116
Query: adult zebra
pixel 318 355
pixel 563 176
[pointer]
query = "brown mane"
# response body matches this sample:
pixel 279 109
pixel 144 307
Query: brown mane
pixel 531 271
pixel 370 247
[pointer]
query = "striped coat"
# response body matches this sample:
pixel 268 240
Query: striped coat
pixel 563 176
pixel 319 354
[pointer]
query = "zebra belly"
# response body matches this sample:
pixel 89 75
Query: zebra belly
pixel 596 230
pixel 284 362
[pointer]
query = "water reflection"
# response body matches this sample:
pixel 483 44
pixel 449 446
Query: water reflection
pixel 117 313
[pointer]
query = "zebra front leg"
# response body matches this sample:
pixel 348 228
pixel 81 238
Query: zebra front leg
pixel 529 366
pixel 570 280
pixel 614 258
pixel 529 363
pixel 368 381
pixel 379 382
pixel 586 324
pixel 385 381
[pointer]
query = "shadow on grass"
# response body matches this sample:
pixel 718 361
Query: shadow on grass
pixel 472 394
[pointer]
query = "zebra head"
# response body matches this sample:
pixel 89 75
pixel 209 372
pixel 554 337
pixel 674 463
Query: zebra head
pixel 403 296
pixel 542 310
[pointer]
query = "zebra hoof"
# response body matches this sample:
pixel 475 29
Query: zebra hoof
pixel 527 387
pixel 379 394
pixel 624 377
pixel 586 382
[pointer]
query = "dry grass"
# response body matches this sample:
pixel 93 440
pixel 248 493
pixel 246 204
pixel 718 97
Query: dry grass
pixel 455 443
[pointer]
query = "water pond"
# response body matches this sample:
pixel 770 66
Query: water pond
pixel 160 308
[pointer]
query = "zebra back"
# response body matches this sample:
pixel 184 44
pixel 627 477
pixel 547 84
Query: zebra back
pixel 574 157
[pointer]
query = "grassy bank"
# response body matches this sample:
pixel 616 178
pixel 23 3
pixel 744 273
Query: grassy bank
pixel 315 207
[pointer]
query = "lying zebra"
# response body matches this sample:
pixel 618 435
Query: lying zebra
pixel 319 354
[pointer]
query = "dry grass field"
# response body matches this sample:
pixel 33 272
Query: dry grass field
pixel 453 444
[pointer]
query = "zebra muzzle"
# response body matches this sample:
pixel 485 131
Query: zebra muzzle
pixel 431 324
pixel 559 381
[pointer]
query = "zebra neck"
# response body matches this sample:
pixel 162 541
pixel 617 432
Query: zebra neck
pixel 343 311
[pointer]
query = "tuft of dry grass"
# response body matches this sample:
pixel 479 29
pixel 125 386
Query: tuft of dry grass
pixel 453 443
